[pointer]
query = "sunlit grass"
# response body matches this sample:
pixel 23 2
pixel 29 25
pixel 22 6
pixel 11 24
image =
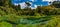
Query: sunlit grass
pixel 5 24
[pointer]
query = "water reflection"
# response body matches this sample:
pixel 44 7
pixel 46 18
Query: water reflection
pixel 41 20
pixel 30 20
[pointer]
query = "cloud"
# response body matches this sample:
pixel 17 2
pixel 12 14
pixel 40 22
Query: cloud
pixel 50 0
pixel 23 5
pixel 48 3
pixel 33 0
pixel 35 6
pixel 15 4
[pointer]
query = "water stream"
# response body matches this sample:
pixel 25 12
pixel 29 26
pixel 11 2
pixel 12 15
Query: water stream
pixel 42 20
pixel 32 20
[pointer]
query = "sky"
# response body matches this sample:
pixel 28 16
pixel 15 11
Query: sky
pixel 34 3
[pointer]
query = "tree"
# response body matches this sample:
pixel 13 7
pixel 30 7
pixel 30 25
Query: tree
pixel 28 5
pixel 6 4
pixel 56 4
pixel 2 2
pixel 38 9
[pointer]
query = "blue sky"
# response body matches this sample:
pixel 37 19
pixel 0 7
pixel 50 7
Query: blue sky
pixel 37 2
pixel 34 3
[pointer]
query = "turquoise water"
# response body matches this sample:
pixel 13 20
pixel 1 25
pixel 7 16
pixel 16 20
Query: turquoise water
pixel 40 20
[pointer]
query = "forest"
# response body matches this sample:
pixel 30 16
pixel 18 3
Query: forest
pixel 14 16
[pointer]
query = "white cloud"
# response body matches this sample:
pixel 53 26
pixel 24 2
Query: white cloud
pixel 33 0
pixel 15 4
pixel 23 5
pixel 29 2
pixel 48 3
pixel 35 6
pixel 50 0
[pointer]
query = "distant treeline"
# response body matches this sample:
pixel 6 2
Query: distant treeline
pixel 7 8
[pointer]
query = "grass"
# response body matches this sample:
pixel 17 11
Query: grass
pixel 5 24
pixel 53 22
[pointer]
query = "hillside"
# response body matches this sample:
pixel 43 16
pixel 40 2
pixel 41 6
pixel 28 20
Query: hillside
pixel 14 16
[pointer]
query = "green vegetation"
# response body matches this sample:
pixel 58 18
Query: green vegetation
pixel 5 24
pixel 14 16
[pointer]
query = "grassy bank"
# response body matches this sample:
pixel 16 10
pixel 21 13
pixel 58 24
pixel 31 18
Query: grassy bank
pixel 53 22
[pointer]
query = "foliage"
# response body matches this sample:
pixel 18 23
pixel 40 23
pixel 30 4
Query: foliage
pixel 5 24
pixel 11 15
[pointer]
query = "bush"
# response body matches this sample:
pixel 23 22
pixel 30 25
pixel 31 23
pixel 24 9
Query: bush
pixel 5 24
